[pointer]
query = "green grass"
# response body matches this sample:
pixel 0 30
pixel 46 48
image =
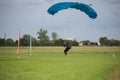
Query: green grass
pixel 49 63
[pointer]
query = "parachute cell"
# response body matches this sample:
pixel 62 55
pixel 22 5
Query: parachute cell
pixel 79 6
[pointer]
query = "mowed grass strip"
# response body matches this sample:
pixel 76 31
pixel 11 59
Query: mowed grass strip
pixel 49 63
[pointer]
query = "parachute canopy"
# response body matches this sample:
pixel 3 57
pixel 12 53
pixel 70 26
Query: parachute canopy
pixel 69 39
pixel 79 6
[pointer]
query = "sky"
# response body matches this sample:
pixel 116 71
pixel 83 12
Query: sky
pixel 31 15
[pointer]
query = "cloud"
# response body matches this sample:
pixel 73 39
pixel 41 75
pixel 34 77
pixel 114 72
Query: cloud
pixel 3 5
pixel 31 15
pixel 115 1
pixel 35 2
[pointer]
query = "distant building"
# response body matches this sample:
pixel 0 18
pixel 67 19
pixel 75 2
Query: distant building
pixel 94 44
pixel 81 43
pixel 89 43
pixel 98 43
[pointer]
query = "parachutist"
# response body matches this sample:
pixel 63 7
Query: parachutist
pixel 90 4
pixel 68 46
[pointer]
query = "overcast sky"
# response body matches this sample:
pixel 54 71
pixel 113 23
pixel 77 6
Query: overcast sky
pixel 31 15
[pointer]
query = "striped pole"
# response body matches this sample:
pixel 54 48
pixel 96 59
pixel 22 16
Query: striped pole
pixel 18 49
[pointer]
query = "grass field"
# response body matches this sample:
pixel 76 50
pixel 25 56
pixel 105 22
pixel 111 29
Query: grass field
pixel 49 63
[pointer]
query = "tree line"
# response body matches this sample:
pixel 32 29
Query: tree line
pixel 109 42
pixel 103 41
pixel 44 40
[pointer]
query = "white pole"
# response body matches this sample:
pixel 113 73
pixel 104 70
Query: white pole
pixel 113 56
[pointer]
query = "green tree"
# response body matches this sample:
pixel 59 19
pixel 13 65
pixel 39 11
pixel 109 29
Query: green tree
pixel 114 42
pixel 86 42
pixel 43 37
pixel 75 43
pixel 109 42
pixel 59 42
pixel 2 42
pixel 34 41
pixel 10 42
pixel 25 41
pixel 54 36
pixel 103 40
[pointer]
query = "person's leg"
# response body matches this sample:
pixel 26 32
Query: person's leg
pixel 66 50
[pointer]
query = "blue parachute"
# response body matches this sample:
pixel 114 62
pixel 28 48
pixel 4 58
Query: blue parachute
pixel 80 6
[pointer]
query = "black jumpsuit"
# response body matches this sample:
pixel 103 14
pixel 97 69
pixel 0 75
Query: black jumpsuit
pixel 68 46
